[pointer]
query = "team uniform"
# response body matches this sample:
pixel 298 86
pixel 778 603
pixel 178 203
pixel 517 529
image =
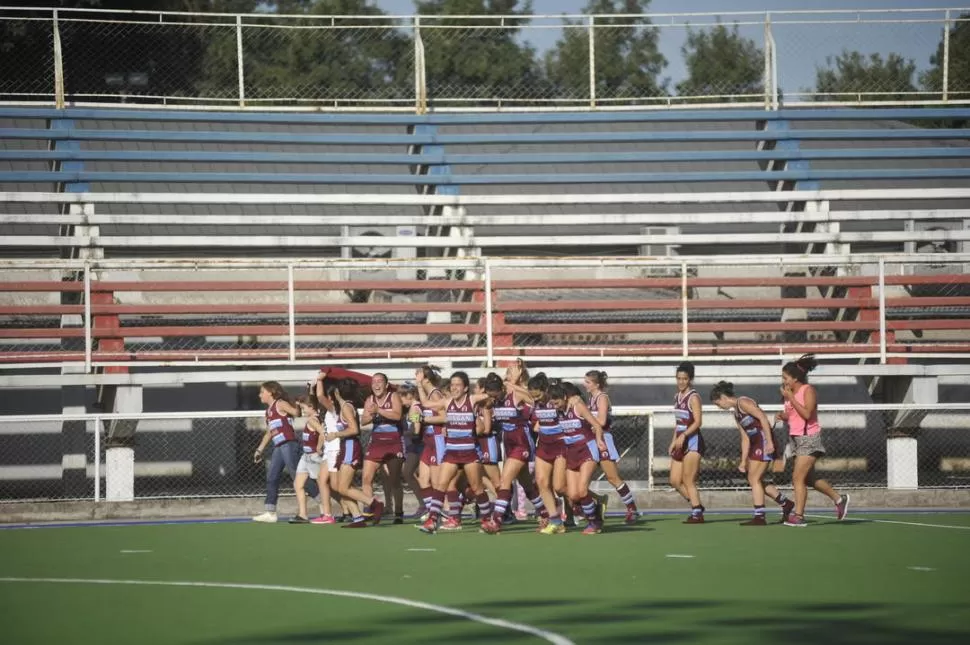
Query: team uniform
pixel 280 427
pixel 611 453
pixel 684 417
pixel 350 452
pixel 579 440
pixel 386 441
pixel 310 460
pixel 513 420
pixel 433 451
pixel 460 445
pixel 413 442
pixel 550 446
pixel 488 443
pixel 756 434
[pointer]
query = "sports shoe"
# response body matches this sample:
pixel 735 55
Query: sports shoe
pixel 593 528
pixel 757 520
pixel 521 515
pixel 398 519
pixel 842 507
pixel 632 515
pixel 695 519
pixel 795 520
pixel 553 529
pixel 489 526
pixel 323 519
pixel 298 519
pixel 543 523
pixel 377 511
pixel 786 508
pixel 429 526
pixel 452 523
pixel 269 517
pixel 358 523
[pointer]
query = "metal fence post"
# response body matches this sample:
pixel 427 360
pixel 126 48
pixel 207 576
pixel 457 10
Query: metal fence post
pixel 239 62
pixel 291 308
pixel 420 79
pixel 946 54
pixel 768 56
pixel 683 306
pixel 489 345
pixel 58 64
pixel 88 342
pixel 650 448
pixel 97 458
pixel 592 61
pixel 882 311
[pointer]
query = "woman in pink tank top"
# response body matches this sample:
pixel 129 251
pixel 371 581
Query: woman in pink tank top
pixel 801 415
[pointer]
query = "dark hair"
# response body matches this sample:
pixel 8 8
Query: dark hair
pixel 309 399
pixel 348 390
pixel 493 383
pixel 687 368
pixel 799 368
pixel 557 391
pixel 570 389
pixel 276 391
pixel 539 382
pixel 432 373
pixel 480 382
pixel 407 389
pixel 524 376
pixel 461 375
pixel 599 377
pixel 722 388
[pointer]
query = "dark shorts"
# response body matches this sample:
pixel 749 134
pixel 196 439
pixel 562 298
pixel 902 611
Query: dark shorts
pixel 694 443
pixel 349 454
pixel 434 450
pixel 756 447
pixel 517 444
pixel 381 449
pixel 550 449
pixel 579 453
pixel 462 457
pixel 488 450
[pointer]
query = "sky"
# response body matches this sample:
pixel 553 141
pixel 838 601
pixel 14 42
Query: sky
pixel 801 48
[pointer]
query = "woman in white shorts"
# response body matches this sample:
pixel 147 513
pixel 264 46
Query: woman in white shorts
pixel 328 485
pixel 311 446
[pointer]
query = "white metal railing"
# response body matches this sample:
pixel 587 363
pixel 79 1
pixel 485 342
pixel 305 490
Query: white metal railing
pixel 857 436
pixel 789 42
pixel 876 266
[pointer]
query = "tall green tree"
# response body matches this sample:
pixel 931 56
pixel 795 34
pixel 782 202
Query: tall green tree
pixel 721 61
pixel 484 61
pixel 958 76
pixel 851 73
pixel 628 62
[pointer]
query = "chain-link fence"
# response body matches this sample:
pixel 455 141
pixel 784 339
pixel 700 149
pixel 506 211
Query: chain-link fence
pixel 210 454
pixel 472 62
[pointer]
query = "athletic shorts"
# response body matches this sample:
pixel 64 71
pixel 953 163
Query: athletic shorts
pixel 694 443
pixel 381 449
pixel 611 453
pixel 808 445
pixel 488 450
pixel 310 464
pixel 518 444
pixel 434 451
pixel 349 454
pixel 550 449
pixel 579 453
pixel 756 447
pixel 331 450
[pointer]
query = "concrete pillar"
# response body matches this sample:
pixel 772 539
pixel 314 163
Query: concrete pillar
pixel 902 463
pixel 120 453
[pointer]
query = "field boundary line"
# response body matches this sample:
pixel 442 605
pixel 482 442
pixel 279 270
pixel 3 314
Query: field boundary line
pixel 550 637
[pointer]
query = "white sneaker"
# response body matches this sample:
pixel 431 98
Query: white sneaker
pixel 269 517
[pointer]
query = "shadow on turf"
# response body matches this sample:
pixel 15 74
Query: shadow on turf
pixel 662 621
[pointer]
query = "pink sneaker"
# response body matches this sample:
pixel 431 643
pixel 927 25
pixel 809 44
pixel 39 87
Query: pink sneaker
pixel 323 519
pixel 842 507
pixel 593 528
pixel 451 524
pixel 521 515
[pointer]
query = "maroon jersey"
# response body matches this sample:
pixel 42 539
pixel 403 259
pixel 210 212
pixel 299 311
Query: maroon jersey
pixel 431 430
pixel 460 427
pixel 575 428
pixel 594 407
pixel 280 426
pixel 309 437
